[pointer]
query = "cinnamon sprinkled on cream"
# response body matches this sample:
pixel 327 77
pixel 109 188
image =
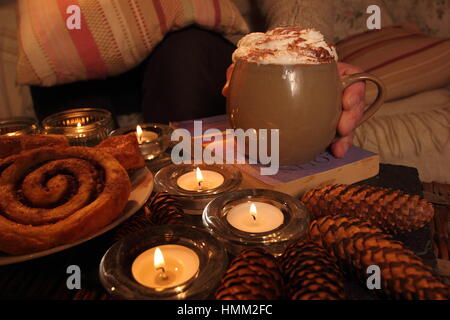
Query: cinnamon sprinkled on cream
pixel 286 45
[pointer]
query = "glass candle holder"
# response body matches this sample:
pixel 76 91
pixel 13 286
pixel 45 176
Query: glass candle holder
pixel 82 126
pixel 154 140
pixel 197 259
pixel 19 126
pixel 256 218
pixel 195 193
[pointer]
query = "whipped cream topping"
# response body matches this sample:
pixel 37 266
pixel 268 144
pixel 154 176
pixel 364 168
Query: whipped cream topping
pixel 286 45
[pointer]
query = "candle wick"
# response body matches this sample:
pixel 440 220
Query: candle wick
pixel 253 216
pixel 162 273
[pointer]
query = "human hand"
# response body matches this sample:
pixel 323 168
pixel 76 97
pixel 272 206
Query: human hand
pixel 352 104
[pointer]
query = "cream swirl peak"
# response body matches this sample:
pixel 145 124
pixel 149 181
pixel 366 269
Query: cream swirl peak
pixel 286 45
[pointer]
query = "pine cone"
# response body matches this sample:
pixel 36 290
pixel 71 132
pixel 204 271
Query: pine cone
pixel 311 273
pixel 160 209
pixel 165 209
pixel 391 210
pixel 136 223
pixel 357 245
pixel 253 275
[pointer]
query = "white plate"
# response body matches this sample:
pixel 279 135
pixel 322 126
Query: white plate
pixel 142 186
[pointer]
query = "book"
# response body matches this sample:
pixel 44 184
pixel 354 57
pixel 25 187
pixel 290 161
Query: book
pixel 357 164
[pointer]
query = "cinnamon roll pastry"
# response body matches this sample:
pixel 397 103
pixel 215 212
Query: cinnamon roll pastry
pixel 6 162
pixel 53 196
pixel 10 145
pixel 125 149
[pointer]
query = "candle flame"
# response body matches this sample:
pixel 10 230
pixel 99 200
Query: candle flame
pixel 79 124
pixel 139 133
pixel 253 211
pixel 158 259
pixel 199 175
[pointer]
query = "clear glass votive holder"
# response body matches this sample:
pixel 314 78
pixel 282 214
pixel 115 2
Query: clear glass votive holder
pixel 194 201
pixel 116 265
pixel 296 219
pixel 154 141
pixel 17 126
pixel 82 126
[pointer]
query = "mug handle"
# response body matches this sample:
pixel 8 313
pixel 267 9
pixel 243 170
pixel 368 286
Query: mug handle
pixel 376 104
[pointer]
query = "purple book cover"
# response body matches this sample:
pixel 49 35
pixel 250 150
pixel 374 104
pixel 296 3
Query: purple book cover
pixel 323 162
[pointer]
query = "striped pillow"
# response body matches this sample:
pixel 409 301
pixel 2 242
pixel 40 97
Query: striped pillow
pixel 115 35
pixel 406 60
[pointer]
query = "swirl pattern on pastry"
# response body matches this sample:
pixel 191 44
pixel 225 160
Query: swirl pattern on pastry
pixel 53 196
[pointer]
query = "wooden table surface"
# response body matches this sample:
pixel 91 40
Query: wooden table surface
pixel 45 278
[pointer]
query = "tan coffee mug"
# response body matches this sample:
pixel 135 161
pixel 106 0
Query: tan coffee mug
pixel 302 101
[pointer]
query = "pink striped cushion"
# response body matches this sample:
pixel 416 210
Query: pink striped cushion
pixel 406 60
pixel 115 35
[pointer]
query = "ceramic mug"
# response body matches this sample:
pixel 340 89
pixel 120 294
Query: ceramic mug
pixel 303 101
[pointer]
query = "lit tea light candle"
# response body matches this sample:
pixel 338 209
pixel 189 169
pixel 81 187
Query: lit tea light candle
pixel 82 126
pixel 145 136
pixel 81 132
pixel 17 126
pixel 255 217
pixel 149 149
pixel 165 266
pixel 200 180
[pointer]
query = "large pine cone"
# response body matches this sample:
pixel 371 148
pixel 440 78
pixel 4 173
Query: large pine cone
pixel 358 245
pixel 391 210
pixel 311 273
pixel 161 209
pixel 253 275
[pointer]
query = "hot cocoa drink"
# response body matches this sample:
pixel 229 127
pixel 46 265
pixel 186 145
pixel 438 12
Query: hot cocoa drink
pixel 287 79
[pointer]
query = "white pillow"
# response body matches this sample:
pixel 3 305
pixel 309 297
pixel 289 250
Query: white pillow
pixel 414 131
